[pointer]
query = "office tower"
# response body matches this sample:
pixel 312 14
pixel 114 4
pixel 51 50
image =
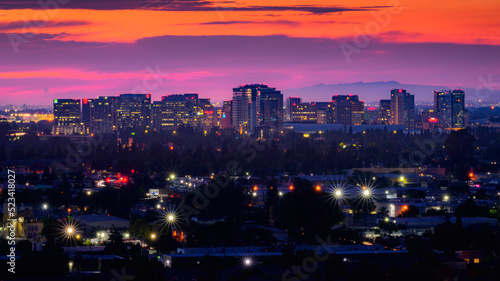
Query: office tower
pixel 133 111
pixel 402 108
pixel 102 111
pixel 384 116
pixel 175 110
pixel 349 110
pixel 271 109
pixel 325 112
pixel 226 118
pixel 291 101
pixel 304 113
pixel 246 113
pixel 450 109
pixel 67 117
pixel 205 117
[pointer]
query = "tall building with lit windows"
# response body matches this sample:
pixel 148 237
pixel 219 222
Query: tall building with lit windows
pixel 348 109
pixel 67 117
pixel 246 112
pixel 226 118
pixel 133 111
pixel 326 112
pixel 271 109
pixel 183 110
pixel 291 102
pixel 174 111
pixel 102 114
pixel 304 113
pixel 402 108
pixel 449 107
pixel 384 113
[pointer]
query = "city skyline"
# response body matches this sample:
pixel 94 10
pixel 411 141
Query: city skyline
pixel 77 50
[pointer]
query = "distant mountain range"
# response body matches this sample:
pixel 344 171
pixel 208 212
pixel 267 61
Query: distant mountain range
pixel 372 92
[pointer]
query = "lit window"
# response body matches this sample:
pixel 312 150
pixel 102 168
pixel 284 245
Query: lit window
pixel 476 260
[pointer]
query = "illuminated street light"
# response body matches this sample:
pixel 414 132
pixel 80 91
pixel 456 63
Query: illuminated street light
pixel 89 192
pixel 318 188
pixel 247 262
pixel 338 193
pixel 172 176
pixel 254 194
pixel 68 230
pixel 280 193
pixel 446 198
pixel 45 206
pixel 153 236
pixel 402 178
pixel 366 192
pixel 386 219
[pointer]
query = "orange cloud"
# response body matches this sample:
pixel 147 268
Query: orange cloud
pixel 462 22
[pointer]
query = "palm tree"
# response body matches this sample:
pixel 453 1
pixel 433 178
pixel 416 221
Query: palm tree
pixel 383 211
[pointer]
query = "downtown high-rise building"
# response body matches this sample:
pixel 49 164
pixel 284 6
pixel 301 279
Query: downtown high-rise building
pixel 384 112
pixel 133 111
pixel 290 103
pixel 100 115
pixel 304 113
pixel 183 110
pixel 325 112
pixel 67 117
pixel 226 116
pixel 402 108
pixel 271 109
pixel 348 109
pixel 449 107
pixel 246 112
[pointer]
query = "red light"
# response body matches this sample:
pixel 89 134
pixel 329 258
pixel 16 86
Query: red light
pixel 432 120
pixel 125 179
pixel 291 187
pixel 400 90
pixel 255 188
pixel 132 171
pixel 147 96
pixel 108 180
pixel 85 101
pixel 371 108
pixel 318 188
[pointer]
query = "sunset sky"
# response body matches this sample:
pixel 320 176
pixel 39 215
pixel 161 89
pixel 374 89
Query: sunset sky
pixel 86 48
